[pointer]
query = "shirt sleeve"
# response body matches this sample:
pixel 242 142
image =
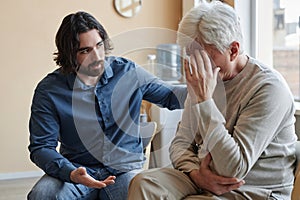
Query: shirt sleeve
pixel 159 92
pixel 44 132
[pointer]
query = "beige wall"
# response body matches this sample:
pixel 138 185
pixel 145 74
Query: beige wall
pixel 27 43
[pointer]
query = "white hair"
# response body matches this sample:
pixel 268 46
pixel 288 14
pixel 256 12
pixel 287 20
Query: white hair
pixel 214 23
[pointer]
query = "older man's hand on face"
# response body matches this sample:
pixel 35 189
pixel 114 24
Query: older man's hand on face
pixel 201 77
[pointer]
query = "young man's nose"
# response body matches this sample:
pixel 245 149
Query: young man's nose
pixel 96 54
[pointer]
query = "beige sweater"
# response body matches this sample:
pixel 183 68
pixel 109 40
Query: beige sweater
pixel 248 127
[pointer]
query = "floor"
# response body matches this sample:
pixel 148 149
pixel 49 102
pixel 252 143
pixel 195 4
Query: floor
pixel 16 189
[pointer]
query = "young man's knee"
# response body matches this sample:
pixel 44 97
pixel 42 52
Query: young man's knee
pixel 46 188
pixel 37 194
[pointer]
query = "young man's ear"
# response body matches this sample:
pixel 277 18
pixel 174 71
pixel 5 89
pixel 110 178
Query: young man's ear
pixel 234 50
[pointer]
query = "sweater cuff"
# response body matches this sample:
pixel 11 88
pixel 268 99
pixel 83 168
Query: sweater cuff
pixel 188 167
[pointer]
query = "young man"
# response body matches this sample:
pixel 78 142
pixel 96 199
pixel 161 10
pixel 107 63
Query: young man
pixel 91 105
pixel 238 120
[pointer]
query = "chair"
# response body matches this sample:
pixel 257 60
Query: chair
pixel 296 189
pixel 147 131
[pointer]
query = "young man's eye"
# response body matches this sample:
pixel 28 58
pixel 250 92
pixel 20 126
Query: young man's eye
pixel 100 44
pixel 83 51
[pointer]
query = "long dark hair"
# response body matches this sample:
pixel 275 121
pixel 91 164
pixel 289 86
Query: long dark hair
pixel 67 39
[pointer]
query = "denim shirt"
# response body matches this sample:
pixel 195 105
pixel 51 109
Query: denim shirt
pixel 96 126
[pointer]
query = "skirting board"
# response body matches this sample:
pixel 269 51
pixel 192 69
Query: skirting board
pixel 17 175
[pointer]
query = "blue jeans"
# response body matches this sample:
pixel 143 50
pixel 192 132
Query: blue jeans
pixel 50 188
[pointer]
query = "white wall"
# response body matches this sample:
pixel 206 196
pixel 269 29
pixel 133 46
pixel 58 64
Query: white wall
pixel 257 24
pixel 244 10
pixel 28 30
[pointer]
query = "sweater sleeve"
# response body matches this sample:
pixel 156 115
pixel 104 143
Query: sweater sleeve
pixel 269 110
pixel 258 121
pixel 184 147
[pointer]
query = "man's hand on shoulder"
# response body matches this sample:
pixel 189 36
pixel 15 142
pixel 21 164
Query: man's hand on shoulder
pixel 80 175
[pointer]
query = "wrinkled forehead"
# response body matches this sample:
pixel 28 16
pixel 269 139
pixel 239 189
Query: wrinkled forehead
pixel 190 49
pixel 192 46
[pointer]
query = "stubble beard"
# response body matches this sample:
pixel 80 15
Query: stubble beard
pixel 91 71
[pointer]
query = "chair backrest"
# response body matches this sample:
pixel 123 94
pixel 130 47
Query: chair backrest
pixel 296 189
pixel 147 131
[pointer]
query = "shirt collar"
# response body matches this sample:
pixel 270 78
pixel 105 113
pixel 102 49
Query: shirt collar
pixel 108 72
